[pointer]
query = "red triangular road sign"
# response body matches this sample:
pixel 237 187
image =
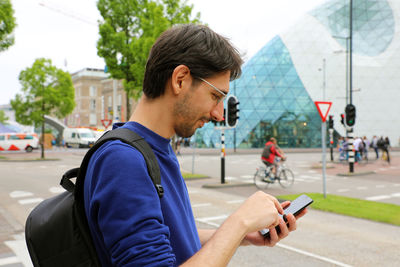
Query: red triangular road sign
pixel 323 109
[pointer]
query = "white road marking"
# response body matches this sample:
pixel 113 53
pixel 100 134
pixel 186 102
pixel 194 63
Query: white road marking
pixel 381 197
pixel 380 186
pixel 18 194
pixel 208 219
pixel 43 167
pixel 56 189
pixel 18 246
pixel 201 205
pixel 30 200
pixel 312 255
pixel 9 260
pixel 235 201
pixel 395 195
pixel 247 176
pixel 343 190
pixel 192 191
pixel 362 188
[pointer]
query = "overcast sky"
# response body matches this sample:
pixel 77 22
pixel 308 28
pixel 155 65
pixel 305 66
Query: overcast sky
pixel 66 31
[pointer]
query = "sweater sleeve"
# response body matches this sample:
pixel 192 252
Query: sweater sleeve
pixel 124 209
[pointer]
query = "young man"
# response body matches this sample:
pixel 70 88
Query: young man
pixel 187 77
pixel 271 150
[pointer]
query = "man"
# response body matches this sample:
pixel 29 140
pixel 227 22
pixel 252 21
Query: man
pixel 374 145
pixel 186 79
pixel 271 150
pixel 358 148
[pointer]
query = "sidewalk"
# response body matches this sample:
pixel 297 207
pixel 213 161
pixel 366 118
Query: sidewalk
pixel 364 168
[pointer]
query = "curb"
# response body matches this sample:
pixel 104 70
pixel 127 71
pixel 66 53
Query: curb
pixel 355 173
pixel 28 160
pixel 227 184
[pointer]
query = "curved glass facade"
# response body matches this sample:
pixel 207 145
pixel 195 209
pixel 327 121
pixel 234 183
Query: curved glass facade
pixel 373 23
pixel 273 102
pixel 280 83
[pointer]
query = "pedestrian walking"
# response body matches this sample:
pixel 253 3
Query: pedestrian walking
pixel 386 148
pixel 374 145
pixel 366 145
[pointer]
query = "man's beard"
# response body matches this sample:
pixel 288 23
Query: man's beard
pixel 186 118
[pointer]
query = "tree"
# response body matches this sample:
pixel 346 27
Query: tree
pixel 46 90
pixel 3 117
pixel 7 24
pixel 127 32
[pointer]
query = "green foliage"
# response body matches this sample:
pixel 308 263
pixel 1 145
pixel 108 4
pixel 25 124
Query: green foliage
pixel 127 32
pixel 3 117
pixel 46 90
pixel 7 24
pixel 371 210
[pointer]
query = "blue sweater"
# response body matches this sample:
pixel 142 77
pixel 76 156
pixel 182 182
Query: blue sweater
pixel 129 223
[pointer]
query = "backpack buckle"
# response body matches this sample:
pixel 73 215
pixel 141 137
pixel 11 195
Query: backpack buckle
pixel 160 190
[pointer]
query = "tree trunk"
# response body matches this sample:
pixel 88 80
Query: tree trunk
pixel 42 142
pixel 128 108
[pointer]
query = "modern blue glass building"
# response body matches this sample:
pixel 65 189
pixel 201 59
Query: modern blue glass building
pixel 280 83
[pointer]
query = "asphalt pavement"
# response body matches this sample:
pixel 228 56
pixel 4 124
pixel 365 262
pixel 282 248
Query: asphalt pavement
pixel 322 239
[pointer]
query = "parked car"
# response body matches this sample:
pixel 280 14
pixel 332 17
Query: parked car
pixel 78 137
pixel 18 141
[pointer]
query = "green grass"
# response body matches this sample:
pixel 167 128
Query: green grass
pixel 375 211
pixel 188 176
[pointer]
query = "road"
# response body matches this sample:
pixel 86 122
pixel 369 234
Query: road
pixel 322 239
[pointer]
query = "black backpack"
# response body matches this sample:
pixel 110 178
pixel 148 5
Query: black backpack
pixel 57 231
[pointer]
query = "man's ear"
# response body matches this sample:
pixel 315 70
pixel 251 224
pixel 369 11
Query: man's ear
pixel 180 79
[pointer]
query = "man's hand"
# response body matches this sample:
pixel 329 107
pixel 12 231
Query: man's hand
pixel 259 211
pixel 255 238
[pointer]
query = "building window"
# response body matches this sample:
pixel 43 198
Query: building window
pixel 92 119
pixel 92 104
pixel 93 90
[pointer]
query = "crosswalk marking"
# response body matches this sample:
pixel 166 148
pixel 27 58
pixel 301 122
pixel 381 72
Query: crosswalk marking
pixel 19 194
pixel 9 260
pixel 30 200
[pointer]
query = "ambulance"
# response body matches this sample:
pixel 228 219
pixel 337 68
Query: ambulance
pixel 18 142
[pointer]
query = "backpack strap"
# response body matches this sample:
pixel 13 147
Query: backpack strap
pixel 126 136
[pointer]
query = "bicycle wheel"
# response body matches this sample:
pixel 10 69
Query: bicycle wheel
pixel 259 177
pixel 286 178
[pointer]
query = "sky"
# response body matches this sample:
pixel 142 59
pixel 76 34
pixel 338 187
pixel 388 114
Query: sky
pixel 66 31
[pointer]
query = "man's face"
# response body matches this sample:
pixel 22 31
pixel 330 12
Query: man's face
pixel 199 104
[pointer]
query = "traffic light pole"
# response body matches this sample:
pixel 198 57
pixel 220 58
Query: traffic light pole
pixel 323 136
pixel 331 142
pixel 350 149
pixel 222 156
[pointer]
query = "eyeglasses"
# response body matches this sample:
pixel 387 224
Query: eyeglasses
pixel 216 89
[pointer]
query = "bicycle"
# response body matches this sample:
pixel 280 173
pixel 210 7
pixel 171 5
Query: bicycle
pixel 263 176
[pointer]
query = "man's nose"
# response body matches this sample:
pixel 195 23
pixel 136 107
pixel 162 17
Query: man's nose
pixel 217 113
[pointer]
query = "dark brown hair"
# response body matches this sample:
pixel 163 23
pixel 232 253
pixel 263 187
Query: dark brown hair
pixel 203 51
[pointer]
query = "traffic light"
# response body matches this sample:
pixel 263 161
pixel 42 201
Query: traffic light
pixel 342 119
pixel 232 111
pixel 330 122
pixel 350 111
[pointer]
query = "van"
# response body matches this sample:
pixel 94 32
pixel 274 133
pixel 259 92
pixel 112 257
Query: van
pixel 18 141
pixel 78 137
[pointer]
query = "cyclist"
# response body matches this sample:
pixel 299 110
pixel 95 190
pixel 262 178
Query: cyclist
pixel 271 150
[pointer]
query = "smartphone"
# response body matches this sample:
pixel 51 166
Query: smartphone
pixel 295 207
